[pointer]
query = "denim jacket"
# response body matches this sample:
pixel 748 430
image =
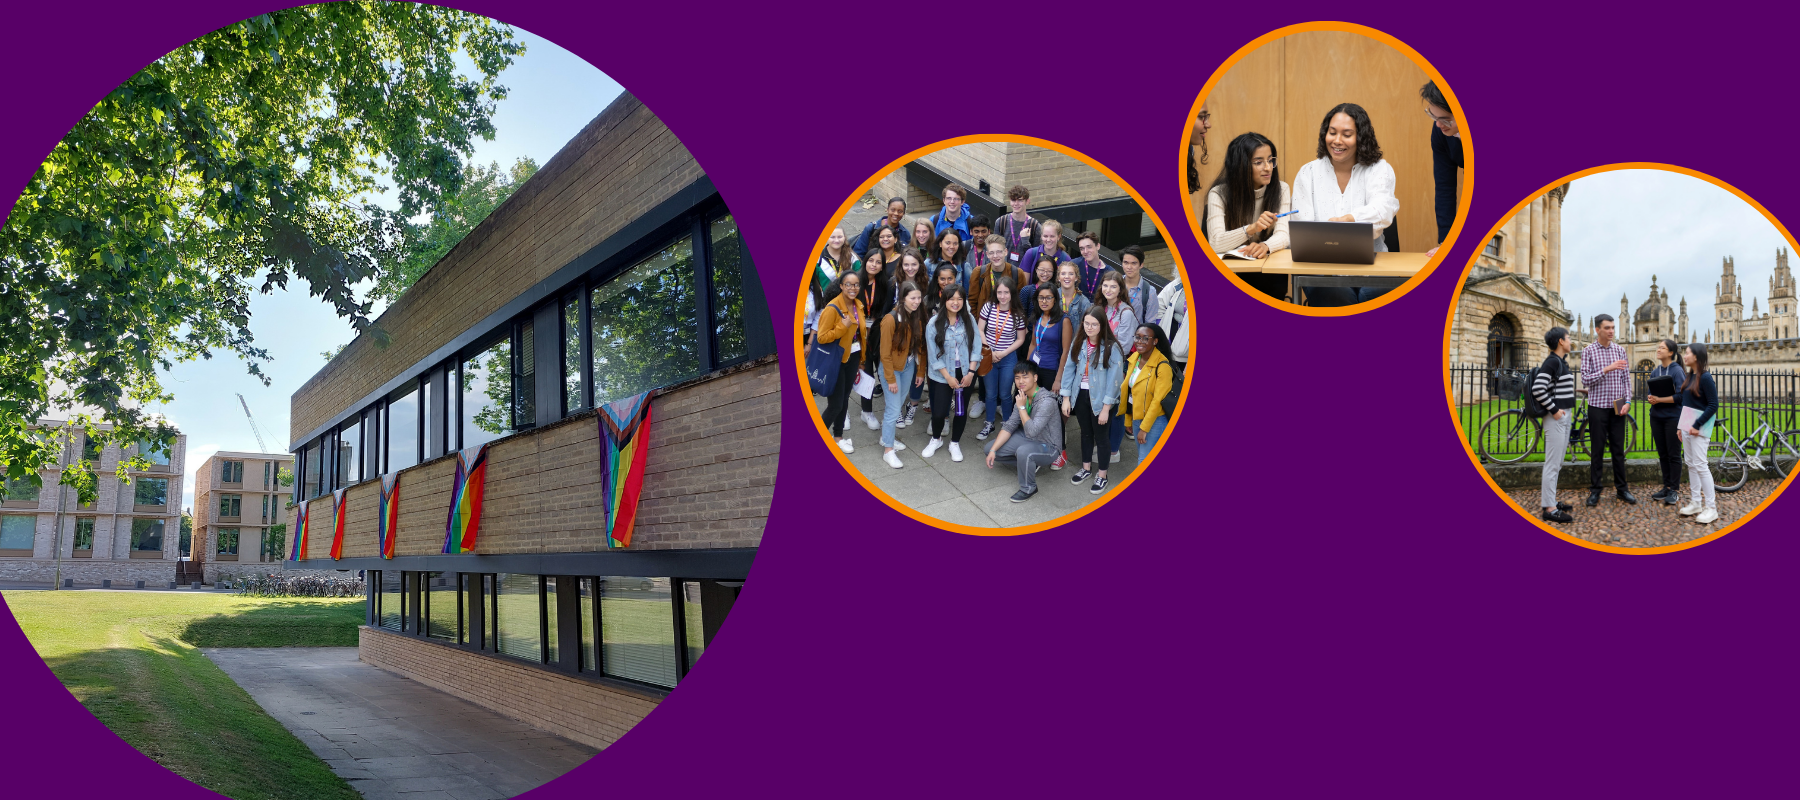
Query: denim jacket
pixel 957 345
pixel 1103 380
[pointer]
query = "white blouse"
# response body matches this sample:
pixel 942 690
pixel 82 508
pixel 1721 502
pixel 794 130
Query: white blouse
pixel 1369 197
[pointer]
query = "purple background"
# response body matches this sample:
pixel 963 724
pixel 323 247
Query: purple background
pixel 1317 595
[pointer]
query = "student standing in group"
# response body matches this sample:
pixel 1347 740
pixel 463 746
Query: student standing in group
pixel 997 266
pixel 1350 182
pixel 1148 378
pixel 979 231
pixel 922 237
pixel 912 268
pixel 950 253
pixel 1031 435
pixel 952 349
pixel 1665 414
pixel 888 239
pixel 1074 302
pixel 1702 396
pixel 1089 266
pixel 1122 321
pixel 1446 159
pixel 877 296
pixel 1002 324
pixel 1607 376
pixel 1020 230
pixel 1050 244
pixel 1197 156
pixel 1554 389
pixel 1042 273
pixel 835 258
pixel 896 209
pixel 1245 208
pixel 1173 302
pixel 942 279
pixel 1051 331
pixel 1090 388
pixel 1138 292
pixel 902 349
pixel 953 216
pixel 844 322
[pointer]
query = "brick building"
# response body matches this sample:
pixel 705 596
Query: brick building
pixel 131 532
pixel 237 498
pixel 617 269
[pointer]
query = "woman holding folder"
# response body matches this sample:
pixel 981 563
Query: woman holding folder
pixel 1699 407
pixel 1665 412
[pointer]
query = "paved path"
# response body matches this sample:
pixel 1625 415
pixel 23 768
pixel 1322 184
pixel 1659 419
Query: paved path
pixel 393 737
pixel 1646 524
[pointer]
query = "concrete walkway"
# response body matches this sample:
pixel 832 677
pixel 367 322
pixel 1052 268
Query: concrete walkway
pixel 393 737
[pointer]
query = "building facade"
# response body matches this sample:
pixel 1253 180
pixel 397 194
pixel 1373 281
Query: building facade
pixel 130 533
pixel 1513 294
pixel 238 498
pixel 616 270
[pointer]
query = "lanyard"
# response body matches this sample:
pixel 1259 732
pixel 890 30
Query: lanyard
pixel 1087 359
pixel 1112 317
pixel 1016 241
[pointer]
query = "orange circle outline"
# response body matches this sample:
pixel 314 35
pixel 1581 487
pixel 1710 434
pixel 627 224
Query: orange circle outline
pixel 1462 203
pixel 1187 289
pixel 1450 397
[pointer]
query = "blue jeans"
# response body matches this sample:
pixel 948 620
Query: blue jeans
pixel 1155 434
pixel 894 404
pixel 1115 428
pixel 999 390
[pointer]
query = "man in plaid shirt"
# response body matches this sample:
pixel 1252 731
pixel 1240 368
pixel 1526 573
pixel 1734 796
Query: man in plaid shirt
pixel 1607 376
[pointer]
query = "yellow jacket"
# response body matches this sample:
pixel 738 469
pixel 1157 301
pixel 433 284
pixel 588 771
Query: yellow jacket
pixel 836 324
pixel 1153 383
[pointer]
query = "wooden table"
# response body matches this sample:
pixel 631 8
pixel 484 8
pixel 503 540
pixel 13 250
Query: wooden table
pixel 1389 271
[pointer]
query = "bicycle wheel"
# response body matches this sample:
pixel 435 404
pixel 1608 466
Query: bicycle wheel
pixel 1507 436
pixel 1787 452
pixel 1730 468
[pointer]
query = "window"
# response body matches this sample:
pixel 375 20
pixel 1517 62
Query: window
pixel 265 507
pixel 90 449
pixel 637 629
pixel 349 453
pixel 440 605
pixel 231 472
pixel 17 532
pixel 1493 247
pixel 147 535
pixel 151 492
pixel 403 429
pixel 487 394
pixel 274 545
pixel 20 489
pixel 314 462
pixel 266 469
pixel 692 623
pixel 391 603
pixel 517 617
pixel 431 422
pixel 231 505
pixel 524 378
pixel 727 260
pixel 551 654
pixel 156 455
pixel 84 533
pixel 590 661
pixel 643 325
pixel 228 542
pixel 571 355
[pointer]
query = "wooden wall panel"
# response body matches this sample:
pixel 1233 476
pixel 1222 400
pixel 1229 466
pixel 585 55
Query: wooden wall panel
pixel 1248 99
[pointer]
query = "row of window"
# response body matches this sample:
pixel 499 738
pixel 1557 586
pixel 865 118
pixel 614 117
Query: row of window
pixel 145 491
pixel 225 543
pixel 18 531
pixel 674 314
pixel 648 630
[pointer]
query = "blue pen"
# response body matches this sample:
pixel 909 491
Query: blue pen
pixel 1279 216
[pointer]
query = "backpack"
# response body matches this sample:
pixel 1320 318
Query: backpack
pixel 1533 408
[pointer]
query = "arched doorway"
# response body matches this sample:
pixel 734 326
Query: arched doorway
pixel 1502 344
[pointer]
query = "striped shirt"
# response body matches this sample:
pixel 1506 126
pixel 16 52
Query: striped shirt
pixel 1555 385
pixel 1000 327
pixel 1604 389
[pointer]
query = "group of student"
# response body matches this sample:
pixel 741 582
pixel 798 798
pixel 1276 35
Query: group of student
pixel 1248 206
pixel 1681 423
pixel 968 315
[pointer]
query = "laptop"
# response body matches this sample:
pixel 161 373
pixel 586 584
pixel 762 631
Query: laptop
pixel 1332 242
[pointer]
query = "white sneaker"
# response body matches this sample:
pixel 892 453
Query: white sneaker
pixel 846 445
pixel 976 406
pixel 955 452
pixel 1690 509
pixel 899 445
pixel 1708 516
pixel 892 459
pixel 931 447
pixel 870 420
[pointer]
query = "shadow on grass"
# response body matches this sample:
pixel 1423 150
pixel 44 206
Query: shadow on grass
pixel 289 623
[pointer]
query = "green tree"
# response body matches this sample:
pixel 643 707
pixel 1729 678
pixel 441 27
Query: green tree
pixel 243 156
pixel 457 213
pixel 187 532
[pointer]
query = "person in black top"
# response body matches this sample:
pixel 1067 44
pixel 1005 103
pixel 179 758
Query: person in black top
pixel 1554 389
pixel 1664 411
pixel 1446 158
pixel 877 296
pixel 896 209
pixel 1702 395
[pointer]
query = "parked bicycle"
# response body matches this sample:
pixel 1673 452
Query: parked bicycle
pixel 277 585
pixel 1510 435
pixel 1733 459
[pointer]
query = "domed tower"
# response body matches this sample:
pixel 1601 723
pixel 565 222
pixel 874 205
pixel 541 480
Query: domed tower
pixel 1653 318
pixel 1728 305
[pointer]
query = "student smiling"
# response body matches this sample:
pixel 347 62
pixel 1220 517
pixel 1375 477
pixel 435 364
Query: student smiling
pixel 1349 182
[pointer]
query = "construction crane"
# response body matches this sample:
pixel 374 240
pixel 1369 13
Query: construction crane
pixel 253 427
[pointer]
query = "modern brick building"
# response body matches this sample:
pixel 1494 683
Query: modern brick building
pixel 617 269
pixel 237 498
pixel 131 533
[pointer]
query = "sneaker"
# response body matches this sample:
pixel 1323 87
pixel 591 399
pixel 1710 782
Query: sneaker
pixel 870 420
pixel 1661 494
pixel 1691 509
pixel 1099 485
pixel 892 459
pixel 1062 460
pixel 1559 515
pixel 1080 475
pixel 976 406
pixel 846 445
pixel 899 445
pixel 907 418
pixel 955 452
pixel 987 429
pixel 1708 516
pixel 1022 495
pixel 1115 457
pixel 931 447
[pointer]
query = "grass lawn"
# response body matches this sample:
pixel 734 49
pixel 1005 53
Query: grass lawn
pixel 133 660
pixel 1739 418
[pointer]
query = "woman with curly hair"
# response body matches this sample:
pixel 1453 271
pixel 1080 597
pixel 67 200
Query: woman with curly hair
pixel 1350 182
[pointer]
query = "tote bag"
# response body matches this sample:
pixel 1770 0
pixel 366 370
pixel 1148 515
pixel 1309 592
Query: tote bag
pixel 822 364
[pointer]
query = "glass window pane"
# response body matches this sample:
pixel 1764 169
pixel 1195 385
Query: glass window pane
pixel 487 394
pixel 637 629
pixel 517 609
pixel 17 532
pixel 550 653
pixel 441 605
pixel 228 541
pixel 90 450
pixel 644 327
pixel 392 588
pixel 431 418
pixel 149 451
pixel 20 489
pixel 525 379
pixel 571 355
pixel 467 603
pixel 403 430
pixel 349 454
pixel 84 533
pixel 313 464
pixel 728 290
pixel 589 657
pixel 151 492
pixel 692 623
pixel 147 534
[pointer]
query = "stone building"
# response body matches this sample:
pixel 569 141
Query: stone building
pixel 614 271
pixel 237 497
pixel 130 533
pixel 1513 294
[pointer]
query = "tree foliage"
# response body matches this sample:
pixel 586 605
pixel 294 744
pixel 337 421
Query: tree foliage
pixel 484 188
pixel 244 155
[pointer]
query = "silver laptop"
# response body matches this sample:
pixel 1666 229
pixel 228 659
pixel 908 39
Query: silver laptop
pixel 1333 242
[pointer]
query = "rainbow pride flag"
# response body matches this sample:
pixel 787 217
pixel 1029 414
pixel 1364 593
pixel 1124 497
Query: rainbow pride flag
pixel 624 444
pixel 387 518
pixel 465 500
pixel 300 533
pixel 337 524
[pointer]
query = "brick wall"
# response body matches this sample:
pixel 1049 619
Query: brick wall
pixel 709 479
pixel 578 709
pixel 1054 178
pixel 621 165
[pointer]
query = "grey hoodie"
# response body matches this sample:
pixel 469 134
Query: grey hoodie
pixel 1046 423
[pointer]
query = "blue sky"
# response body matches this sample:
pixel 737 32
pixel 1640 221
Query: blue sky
pixel 1619 228
pixel 553 94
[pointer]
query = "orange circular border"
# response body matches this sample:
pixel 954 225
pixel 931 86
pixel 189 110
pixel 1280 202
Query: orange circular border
pixel 1462 202
pixel 1187 289
pixel 1450 397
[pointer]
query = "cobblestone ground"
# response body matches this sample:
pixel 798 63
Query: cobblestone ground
pixel 1646 524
